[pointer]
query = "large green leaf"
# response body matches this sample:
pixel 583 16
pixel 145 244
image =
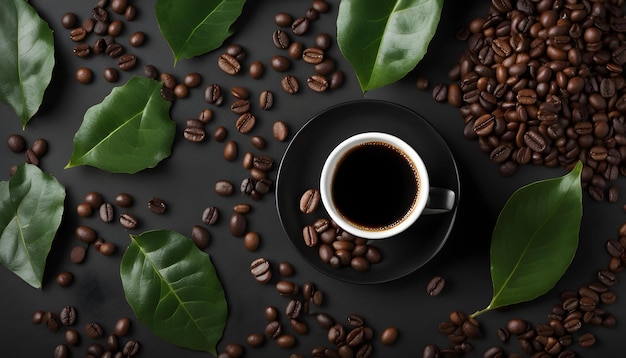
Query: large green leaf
pixel 535 238
pixel 31 208
pixel 173 288
pixel 129 131
pixel 27 48
pixel 385 39
pixel 195 27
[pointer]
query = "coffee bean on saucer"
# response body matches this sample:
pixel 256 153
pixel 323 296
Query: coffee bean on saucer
pixel 309 201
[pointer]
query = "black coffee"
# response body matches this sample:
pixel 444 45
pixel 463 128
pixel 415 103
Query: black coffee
pixel 375 185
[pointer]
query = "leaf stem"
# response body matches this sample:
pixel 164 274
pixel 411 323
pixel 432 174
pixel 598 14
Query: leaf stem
pixel 479 312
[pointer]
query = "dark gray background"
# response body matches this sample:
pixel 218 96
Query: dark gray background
pixel 185 181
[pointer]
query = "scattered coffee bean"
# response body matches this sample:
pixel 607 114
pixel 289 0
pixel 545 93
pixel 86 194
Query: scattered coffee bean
pixel 286 269
pixel 137 39
pixel 107 248
pixel 61 351
pixel 110 74
pixel 252 241
pixel 106 212
pixel 323 41
pixel 130 13
pixel 256 69
pixel 78 34
pixel 290 84
pixel 310 201
pixel 255 340
pixel 200 236
pixel 115 28
pixel 300 26
pixel 283 19
pixel 151 72
pixel 261 270
pixel 245 123
pixel 317 83
pixel 114 50
pixel 128 221
pixel 127 62
pixel 210 215
pixel 224 187
pixel 280 131
pixel 123 200
pixel 77 254
pixel 72 337
pixel 286 341
pixel 229 64
pixel 336 79
pixel 69 20
pixel 122 327
pixel 68 316
pixel 313 55
pixel 94 199
pixel 213 94
pixel 64 279
pixel 85 234
pixel 280 63
pixel 435 285
pixel 237 224
pixel 84 75
pixel 266 99
pixel 157 206
pixel 220 133
pixel 16 143
pixel 131 348
pixel 181 91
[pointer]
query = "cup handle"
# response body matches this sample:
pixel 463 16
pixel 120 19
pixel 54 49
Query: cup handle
pixel 439 201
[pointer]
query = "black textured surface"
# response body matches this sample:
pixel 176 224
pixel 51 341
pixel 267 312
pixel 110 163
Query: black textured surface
pixel 185 181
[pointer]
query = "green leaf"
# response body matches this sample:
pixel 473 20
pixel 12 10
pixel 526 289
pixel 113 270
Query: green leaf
pixel 385 39
pixel 27 47
pixel 195 27
pixel 31 208
pixel 129 131
pixel 173 288
pixel 535 238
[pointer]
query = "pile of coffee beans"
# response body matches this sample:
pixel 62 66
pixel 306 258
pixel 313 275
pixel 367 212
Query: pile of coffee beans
pixel 353 339
pixel 336 247
pixel 102 23
pixel 542 82
pixel 68 318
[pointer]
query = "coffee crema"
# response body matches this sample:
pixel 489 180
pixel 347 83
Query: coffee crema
pixel 375 186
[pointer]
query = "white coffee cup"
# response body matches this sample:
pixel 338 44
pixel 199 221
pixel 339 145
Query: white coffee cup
pixel 374 185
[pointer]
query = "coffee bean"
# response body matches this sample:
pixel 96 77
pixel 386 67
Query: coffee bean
pixel 16 143
pixel 290 84
pixel 311 14
pixel 114 50
pixel 293 309
pixel 84 75
pixel 587 340
pixel 78 34
pixel 300 26
pixel 236 51
pixel 440 93
pixel 266 99
pixel 256 69
pixel 68 316
pixel 229 64
pixel 336 333
pixel 281 39
pixel 85 234
pixel 124 200
pixel 435 285
pixel 210 215
pixel 245 123
pixel 237 225
pixel 131 348
pixel 309 201
pixel 115 28
pixel 295 50
pixel 72 337
pixel 127 62
pixel 106 212
pixel 283 19
pixel 213 94
pixel 280 131
pixel 255 340
pixel 251 241
pixel 194 134
pixel 107 248
pixel 517 326
pixel 280 63
pixel 336 80
pixel 200 236
pixel 157 206
pixel 323 41
pixel 389 336
pixel 261 270
pixel 360 264
pixel 128 221
pixel 69 20
pixel 287 288
pixel 77 254
pixel 326 67
pixel 240 106
pixel 82 50
pixel 313 55
pixel 110 74
pixel 61 351
pixel 317 83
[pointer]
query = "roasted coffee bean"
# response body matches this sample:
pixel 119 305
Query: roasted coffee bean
pixel 237 224
pixel 295 50
pixel 229 64
pixel 128 221
pixel 435 285
pixel 323 41
pixel 157 206
pixel 313 55
pixel 255 340
pixel 84 210
pixel 110 74
pixel 213 94
pixel 262 162
pixel 224 187
pixel 245 123
pixel 127 62
pixel 440 93
pixel 280 63
pixel 68 316
pixel 287 288
pixel 251 241
pixel 285 341
pixel 151 72
pixel 263 186
pixel 261 270
pixel 326 67
pixel 336 333
pixel 137 39
pixel 77 254
pixel 106 212
pixel 107 248
pixel 200 236
pixel 240 106
pixel 389 336
pixel 69 20
pixel 280 131
pixel 16 143
pixel 517 326
pixel 210 215
pixel 194 134
pixel 72 337
pixel 83 75
pixel 131 348
pixel 310 236
pixel 310 201
pixel 266 99
pixel 30 158
pixel 85 234
pixel 290 84
pixel 78 34
pixel 281 39
pixel 94 330
pixel 256 69
pixel 82 50
pixel 99 46
pixel 587 340
pixel 61 351
pixel 94 199
pixel 360 264
pixel 300 26
pixel 115 28
pixel 317 83
pixel 123 200
pixel 283 19
pixel 114 50
pixel 293 308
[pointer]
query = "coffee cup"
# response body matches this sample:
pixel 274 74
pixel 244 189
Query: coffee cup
pixel 374 185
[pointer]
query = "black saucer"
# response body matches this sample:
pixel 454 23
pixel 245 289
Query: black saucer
pixel 302 163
